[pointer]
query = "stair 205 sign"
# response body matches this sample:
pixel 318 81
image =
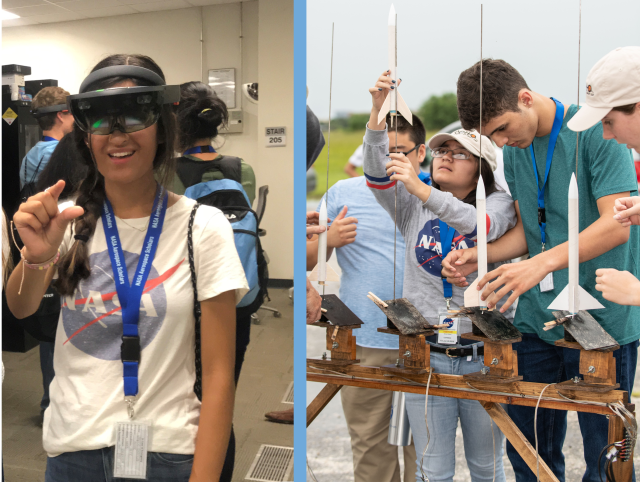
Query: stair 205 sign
pixel 275 136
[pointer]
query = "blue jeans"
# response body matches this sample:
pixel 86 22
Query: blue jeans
pixel 443 415
pixel 97 466
pixel 46 365
pixel 541 362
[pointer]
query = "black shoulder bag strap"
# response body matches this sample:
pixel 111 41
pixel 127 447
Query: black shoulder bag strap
pixel 197 311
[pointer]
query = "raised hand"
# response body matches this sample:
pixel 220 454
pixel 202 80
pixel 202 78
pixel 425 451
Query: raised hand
pixel 41 226
pixel 621 287
pixel 342 230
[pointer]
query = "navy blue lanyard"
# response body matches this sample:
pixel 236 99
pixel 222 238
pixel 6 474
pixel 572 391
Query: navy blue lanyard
pixel 555 130
pixel 198 149
pixel 446 238
pixel 130 295
pixel 48 138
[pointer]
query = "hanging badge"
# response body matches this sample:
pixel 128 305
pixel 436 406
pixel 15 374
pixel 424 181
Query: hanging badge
pixel 547 283
pixel 449 335
pixel 130 459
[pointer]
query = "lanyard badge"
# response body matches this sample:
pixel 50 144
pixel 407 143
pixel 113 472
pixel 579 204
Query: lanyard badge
pixel 449 335
pixel 547 283
pixel 130 295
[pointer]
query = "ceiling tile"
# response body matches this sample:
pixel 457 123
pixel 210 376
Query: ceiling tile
pixel 137 2
pixel 18 22
pixel 6 4
pixel 80 5
pixel 35 10
pixel 162 5
pixel 108 11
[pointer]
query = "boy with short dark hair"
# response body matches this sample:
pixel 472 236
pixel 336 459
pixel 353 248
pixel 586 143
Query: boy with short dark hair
pixel 54 125
pixel 538 170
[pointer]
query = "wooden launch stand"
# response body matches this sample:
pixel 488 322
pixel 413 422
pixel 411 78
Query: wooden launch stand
pixel 500 384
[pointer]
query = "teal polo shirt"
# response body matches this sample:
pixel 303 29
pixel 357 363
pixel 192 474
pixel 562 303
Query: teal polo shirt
pixel 604 167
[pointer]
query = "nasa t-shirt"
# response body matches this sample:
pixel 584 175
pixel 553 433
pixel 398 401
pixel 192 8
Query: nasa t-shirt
pixel 87 395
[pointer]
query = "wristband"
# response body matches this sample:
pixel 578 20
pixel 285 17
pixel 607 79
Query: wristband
pixel 40 266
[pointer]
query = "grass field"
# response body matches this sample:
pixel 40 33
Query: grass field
pixel 343 144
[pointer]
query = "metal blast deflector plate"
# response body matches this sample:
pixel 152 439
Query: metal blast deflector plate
pixel 586 330
pixel 404 316
pixel 338 313
pixel 492 324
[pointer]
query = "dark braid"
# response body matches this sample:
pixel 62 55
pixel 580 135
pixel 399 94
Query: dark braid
pixel 74 266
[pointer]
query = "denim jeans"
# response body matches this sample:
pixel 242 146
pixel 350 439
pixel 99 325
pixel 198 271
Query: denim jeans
pixel 46 365
pixel 97 466
pixel 443 415
pixel 541 362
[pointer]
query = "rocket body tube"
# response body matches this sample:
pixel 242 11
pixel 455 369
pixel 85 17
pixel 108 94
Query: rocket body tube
pixel 399 428
pixel 574 247
pixel 481 239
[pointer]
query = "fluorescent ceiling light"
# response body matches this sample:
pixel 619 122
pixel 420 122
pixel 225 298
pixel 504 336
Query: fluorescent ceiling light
pixel 8 15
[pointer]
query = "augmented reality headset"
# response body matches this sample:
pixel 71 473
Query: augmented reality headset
pixel 50 109
pixel 127 109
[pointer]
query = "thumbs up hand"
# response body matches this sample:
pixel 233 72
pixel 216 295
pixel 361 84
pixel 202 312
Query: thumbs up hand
pixel 41 226
pixel 342 230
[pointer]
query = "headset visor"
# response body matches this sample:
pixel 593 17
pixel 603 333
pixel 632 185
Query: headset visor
pixel 127 109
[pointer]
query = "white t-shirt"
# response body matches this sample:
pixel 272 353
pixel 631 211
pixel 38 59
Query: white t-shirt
pixel 357 158
pixel 87 394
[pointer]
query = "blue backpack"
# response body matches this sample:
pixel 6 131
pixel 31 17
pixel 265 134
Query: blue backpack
pixel 229 196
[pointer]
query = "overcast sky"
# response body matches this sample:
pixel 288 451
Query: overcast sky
pixel 438 39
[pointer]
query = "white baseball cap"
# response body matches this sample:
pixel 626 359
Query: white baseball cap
pixel 614 81
pixel 471 141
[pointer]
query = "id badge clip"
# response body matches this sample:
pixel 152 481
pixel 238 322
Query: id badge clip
pixel 448 335
pixel 132 442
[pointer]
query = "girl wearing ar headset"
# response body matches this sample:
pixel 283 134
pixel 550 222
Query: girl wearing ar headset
pixel 145 276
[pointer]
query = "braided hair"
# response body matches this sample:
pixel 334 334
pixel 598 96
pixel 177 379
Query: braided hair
pixel 74 265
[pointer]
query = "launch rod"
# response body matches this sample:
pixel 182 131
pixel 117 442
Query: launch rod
pixel 579 36
pixel 480 163
pixel 395 201
pixel 329 130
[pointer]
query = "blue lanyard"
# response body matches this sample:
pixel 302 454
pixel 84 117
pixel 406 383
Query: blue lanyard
pixel 128 295
pixel 555 130
pixel 446 238
pixel 198 149
pixel 48 139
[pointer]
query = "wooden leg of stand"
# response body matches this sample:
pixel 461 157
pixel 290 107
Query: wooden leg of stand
pixel 321 401
pixel 621 470
pixel 519 441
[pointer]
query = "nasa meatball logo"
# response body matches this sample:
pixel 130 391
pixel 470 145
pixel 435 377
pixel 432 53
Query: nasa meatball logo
pixel 92 317
pixel 448 322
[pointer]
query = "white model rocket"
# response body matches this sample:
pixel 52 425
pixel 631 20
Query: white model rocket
pixel 573 297
pixel 471 294
pixel 394 102
pixel 319 273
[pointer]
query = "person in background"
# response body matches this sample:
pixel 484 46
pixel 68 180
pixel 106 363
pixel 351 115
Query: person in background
pixel 362 235
pixel 200 116
pixel 355 161
pixel 54 126
pixel 613 98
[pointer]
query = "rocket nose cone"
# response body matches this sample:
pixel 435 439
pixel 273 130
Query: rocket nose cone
pixel 323 212
pixel 480 192
pixel 573 187
pixel 392 15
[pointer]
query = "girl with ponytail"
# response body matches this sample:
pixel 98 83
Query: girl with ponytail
pixel 137 268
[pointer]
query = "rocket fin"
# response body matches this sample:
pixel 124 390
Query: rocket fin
pixel 404 110
pixel 587 302
pixel 331 274
pixel 385 108
pixel 471 297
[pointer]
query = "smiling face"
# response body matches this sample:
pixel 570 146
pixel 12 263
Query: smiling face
pixel 514 129
pixel 458 176
pixel 125 158
pixel 624 128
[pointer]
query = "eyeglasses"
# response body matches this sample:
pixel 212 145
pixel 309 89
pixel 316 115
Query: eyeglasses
pixel 455 154
pixel 408 152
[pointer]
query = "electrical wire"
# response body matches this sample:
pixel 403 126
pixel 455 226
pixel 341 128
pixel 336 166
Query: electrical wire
pixel 313 476
pixel 425 477
pixel 535 431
